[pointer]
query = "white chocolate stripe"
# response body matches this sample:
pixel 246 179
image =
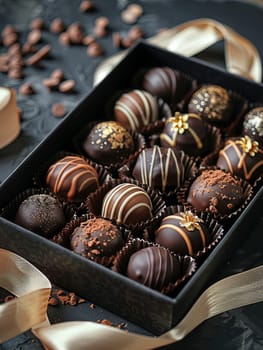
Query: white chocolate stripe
pixel 133 121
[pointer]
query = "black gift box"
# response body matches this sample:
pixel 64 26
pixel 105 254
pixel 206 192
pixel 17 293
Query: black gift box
pixel 139 304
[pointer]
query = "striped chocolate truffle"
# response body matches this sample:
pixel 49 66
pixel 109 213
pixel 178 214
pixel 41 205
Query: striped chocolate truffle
pixel 127 204
pixel 186 132
pixel 242 157
pixel 164 82
pixel 154 267
pixel 72 178
pixel 212 102
pixel 183 233
pixel 160 168
pixel 136 109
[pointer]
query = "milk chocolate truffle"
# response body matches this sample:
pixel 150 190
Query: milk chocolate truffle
pixel 183 233
pixel 154 267
pixel 136 109
pixel 72 179
pixel 212 102
pixel 165 83
pixel 96 238
pixel 186 132
pixel 217 192
pixel 42 214
pixel 127 204
pixel 242 157
pixel 108 143
pixel 160 168
pixel 253 124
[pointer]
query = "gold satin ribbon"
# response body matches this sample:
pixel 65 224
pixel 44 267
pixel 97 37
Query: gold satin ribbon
pixel 32 289
pixel 190 38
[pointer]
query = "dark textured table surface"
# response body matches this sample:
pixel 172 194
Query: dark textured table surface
pixel 237 329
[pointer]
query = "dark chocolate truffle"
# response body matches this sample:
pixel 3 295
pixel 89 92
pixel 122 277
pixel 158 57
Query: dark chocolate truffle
pixel 108 143
pixel 217 192
pixel 160 168
pixel 186 132
pixel 242 157
pixel 136 109
pixel 165 83
pixel 72 179
pixel 253 124
pixel 96 238
pixel 154 267
pixel 212 102
pixel 127 204
pixel 42 214
pixel 183 233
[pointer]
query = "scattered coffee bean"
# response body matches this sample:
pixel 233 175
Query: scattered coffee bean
pixel 10 39
pixel 51 83
pixel 64 39
pixel 86 6
pixel 28 48
pixel 76 33
pixel 15 73
pixel 67 86
pixel 43 52
pixel 53 301
pixel 26 89
pixel 8 29
pixel 131 14
pixel 37 23
pixel 14 49
pixel 95 50
pixel 3 67
pixel 88 39
pixel 57 26
pixel 34 36
pixel 57 74
pixel 58 110
pixel 116 37
pixel 136 9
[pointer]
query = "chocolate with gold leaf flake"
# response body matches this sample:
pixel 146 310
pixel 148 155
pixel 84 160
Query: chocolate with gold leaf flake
pixel 183 233
pixel 108 143
pixel 242 157
pixel 186 132
pixel 253 124
pixel 212 103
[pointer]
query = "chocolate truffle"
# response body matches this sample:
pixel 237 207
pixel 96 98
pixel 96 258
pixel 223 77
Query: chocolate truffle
pixel 186 132
pixel 242 157
pixel 72 179
pixel 253 124
pixel 154 267
pixel 127 204
pixel 217 192
pixel 96 238
pixel 108 143
pixel 165 83
pixel 42 214
pixel 212 102
pixel 160 168
pixel 136 109
pixel 183 233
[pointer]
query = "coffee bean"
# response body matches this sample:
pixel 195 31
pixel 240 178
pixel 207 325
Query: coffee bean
pixel 37 23
pixel 26 89
pixel 51 83
pixel 95 50
pixel 34 36
pixel 57 74
pixel 67 86
pixel 86 6
pixel 58 110
pixel 88 39
pixel 57 26
pixel 43 52
pixel 64 39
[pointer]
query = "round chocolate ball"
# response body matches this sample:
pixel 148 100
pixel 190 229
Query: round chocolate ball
pixel 253 124
pixel 96 238
pixel 108 143
pixel 242 157
pixel 160 168
pixel 165 83
pixel 185 132
pixel 212 102
pixel 183 233
pixel 136 109
pixel 127 204
pixel 42 214
pixel 217 192
pixel 154 267
pixel 72 179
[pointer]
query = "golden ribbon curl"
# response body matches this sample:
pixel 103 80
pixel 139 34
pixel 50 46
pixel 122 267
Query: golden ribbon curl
pixel 190 38
pixel 32 288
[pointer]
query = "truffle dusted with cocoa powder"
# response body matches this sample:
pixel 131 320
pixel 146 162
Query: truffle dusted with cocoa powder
pixel 242 157
pixel 186 132
pixel 72 178
pixel 127 204
pixel 154 267
pixel 212 102
pixel 183 233
pixel 136 109
pixel 42 214
pixel 96 238
pixel 108 143
pixel 217 192
pixel 160 168
pixel 253 125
